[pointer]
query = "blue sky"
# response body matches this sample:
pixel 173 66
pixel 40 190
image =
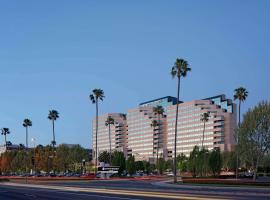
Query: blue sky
pixel 53 53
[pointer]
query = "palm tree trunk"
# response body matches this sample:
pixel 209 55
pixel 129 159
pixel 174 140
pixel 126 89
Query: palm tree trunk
pixel 237 156
pixel 175 135
pixel 204 159
pixel 239 116
pixel 96 134
pixel 158 137
pixel 26 145
pixel 53 134
pixel 5 140
pixel 26 137
pixel 110 144
pixel 203 134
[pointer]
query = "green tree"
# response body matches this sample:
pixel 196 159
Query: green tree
pixel 229 160
pixel 5 132
pixel 147 167
pixel 97 94
pixel 241 94
pixel 18 162
pixel 161 165
pixel 104 156
pixel 169 164
pixel 254 134
pixel 118 159
pixel 266 163
pixel 109 122
pixel 193 161
pixel 53 116
pixel 182 162
pixel 131 165
pixel 139 166
pixel 180 69
pixel 62 158
pixel 215 161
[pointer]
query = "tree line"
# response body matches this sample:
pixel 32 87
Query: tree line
pixel 44 159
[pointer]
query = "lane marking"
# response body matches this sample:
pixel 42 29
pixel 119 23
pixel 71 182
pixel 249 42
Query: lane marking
pixel 122 192
pixel 73 193
pixel 96 195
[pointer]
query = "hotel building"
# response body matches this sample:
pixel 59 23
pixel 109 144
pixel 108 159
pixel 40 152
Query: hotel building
pixel 118 133
pixel 218 130
pixel 144 140
pixel 135 135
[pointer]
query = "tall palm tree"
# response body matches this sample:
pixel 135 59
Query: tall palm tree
pixel 109 122
pixel 159 110
pixel 97 95
pixel 155 124
pixel 26 124
pixel 180 69
pixel 4 132
pixel 240 94
pixel 53 115
pixel 204 118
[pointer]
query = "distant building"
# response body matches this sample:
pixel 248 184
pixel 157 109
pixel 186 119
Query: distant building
pixel 10 147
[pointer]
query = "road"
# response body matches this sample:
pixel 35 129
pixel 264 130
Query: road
pixel 122 190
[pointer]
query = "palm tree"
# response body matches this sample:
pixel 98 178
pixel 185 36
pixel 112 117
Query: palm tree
pixel 97 94
pixel 4 132
pixel 180 69
pixel 26 124
pixel 159 110
pixel 154 124
pixel 241 94
pixel 109 122
pixel 204 118
pixel 53 115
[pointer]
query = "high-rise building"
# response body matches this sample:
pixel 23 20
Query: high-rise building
pixel 118 133
pixel 164 102
pixel 145 141
pixel 135 134
pixel 219 129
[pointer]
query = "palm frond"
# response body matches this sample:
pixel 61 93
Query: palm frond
pixel 53 115
pixel 173 72
pixel 240 93
pixel 109 121
pixel 27 122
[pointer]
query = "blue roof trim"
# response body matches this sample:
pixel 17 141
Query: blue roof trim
pixel 217 96
pixel 170 98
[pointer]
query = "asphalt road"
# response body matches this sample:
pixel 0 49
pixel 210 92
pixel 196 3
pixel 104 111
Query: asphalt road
pixel 122 190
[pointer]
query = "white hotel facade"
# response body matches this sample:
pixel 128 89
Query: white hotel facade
pixel 140 139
